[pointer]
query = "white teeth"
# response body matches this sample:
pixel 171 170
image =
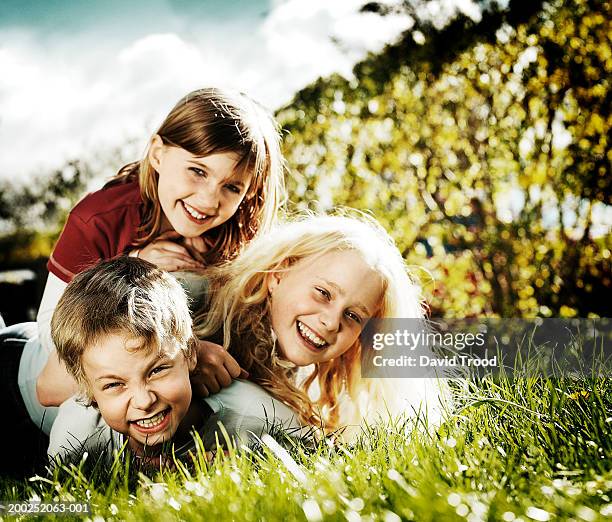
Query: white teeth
pixel 151 422
pixel 193 212
pixel 310 335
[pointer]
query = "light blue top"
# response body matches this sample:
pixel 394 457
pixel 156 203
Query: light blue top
pixel 33 360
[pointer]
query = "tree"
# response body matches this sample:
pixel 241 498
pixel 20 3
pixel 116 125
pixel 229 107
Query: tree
pixel 477 162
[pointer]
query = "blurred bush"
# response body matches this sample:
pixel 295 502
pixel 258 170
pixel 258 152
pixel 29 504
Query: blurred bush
pixel 488 161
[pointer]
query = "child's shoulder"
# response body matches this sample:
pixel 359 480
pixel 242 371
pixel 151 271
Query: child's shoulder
pixel 78 428
pixel 245 398
pixel 115 198
pixel 240 390
pixel 247 411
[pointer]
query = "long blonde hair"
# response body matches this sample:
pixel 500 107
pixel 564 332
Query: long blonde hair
pixel 240 305
pixel 210 121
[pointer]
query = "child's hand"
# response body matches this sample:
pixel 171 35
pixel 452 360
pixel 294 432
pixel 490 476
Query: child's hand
pixel 199 244
pixel 215 368
pixel 167 254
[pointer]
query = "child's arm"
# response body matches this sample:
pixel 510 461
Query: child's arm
pixel 54 289
pixel 54 384
pixel 216 369
pixel 167 254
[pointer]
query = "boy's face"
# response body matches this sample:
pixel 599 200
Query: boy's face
pixel 139 394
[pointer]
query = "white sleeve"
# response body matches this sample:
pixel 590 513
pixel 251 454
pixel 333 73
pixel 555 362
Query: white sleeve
pixel 77 428
pixel 246 410
pixel 53 291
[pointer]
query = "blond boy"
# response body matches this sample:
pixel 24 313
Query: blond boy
pixel 123 330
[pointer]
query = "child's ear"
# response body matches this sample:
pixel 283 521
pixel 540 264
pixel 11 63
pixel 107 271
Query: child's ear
pixel 274 277
pixel 192 361
pixel 156 150
pixel 272 281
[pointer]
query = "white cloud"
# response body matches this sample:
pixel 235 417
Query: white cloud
pixel 59 102
pixel 79 95
pixel 324 38
pixel 441 11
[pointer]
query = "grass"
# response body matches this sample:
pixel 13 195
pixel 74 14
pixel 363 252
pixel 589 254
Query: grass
pixel 522 449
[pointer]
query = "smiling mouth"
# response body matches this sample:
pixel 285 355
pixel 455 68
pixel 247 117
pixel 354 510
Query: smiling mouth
pixel 153 424
pixel 193 214
pixel 310 337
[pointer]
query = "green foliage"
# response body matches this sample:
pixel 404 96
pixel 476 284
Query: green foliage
pixel 45 200
pixel 488 167
pixel 32 215
pixel 22 247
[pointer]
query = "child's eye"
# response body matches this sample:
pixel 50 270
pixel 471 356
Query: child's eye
pixel 323 292
pixel 354 317
pixel 233 188
pixel 111 385
pixel 198 172
pixel 159 369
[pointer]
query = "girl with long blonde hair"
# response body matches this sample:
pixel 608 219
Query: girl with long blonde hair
pixel 300 297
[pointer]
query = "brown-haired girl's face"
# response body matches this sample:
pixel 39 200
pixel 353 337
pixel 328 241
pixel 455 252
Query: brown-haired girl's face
pixel 320 305
pixel 197 194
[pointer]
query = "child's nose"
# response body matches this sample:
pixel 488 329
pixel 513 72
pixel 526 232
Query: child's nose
pixel 143 398
pixel 208 199
pixel 330 320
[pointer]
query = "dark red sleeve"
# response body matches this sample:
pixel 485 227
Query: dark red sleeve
pixel 80 246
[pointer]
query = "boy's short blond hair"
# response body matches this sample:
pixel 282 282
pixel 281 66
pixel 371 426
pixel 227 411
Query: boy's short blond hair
pixel 125 295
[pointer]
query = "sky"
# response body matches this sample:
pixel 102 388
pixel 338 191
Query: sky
pixel 78 79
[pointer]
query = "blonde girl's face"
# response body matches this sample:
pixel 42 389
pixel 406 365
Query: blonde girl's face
pixel 320 305
pixel 196 194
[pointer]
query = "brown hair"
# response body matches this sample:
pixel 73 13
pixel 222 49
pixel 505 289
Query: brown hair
pixel 126 295
pixel 210 121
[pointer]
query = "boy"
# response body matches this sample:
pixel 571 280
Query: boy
pixel 123 330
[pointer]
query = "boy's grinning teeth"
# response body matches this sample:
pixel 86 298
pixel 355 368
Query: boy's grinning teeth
pixel 151 422
pixel 310 335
